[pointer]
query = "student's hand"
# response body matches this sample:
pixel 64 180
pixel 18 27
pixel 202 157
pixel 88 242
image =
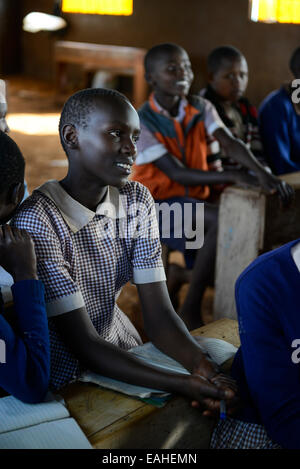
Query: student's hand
pixel 207 394
pixel 212 407
pixel 17 255
pixel 210 372
pixel 272 184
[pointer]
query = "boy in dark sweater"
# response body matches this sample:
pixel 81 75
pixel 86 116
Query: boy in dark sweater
pixel 228 79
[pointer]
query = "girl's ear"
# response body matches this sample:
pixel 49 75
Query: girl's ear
pixel 69 136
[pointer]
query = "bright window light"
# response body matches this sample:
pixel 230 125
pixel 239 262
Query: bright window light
pixel 36 21
pixel 275 11
pixel 100 7
pixel 34 124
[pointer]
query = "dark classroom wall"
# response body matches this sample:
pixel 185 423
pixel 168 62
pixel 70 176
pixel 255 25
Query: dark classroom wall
pixel 197 25
pixel 10 36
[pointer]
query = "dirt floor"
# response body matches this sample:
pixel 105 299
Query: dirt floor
pixel 33 117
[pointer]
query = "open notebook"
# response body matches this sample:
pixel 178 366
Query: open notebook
pixel 218 350
pixel 38 426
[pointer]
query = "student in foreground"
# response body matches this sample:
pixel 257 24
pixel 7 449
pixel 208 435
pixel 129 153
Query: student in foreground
pixel 25 356
pixel 172 163
pixel 94 231
pixel 266 366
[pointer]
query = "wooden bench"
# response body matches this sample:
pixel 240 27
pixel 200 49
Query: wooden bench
pixel 116 59
pixel 111 420
pixel 250 223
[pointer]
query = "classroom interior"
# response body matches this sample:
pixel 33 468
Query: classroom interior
pixel 37 85
pixel 28 65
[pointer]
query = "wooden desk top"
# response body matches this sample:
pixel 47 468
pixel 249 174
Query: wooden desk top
pixel 113 420
pixel 78 52
pixel 292 178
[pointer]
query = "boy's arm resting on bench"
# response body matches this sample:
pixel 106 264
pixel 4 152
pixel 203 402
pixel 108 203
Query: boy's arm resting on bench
pixel 239 152
pixel 177 171
pixel 100 356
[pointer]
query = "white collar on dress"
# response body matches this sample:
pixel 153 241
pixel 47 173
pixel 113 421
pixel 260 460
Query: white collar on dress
pixel 296 254
pixel 76 215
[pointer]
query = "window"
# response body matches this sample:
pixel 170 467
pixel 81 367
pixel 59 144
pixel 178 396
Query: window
pixel 275 11
pixel 100 7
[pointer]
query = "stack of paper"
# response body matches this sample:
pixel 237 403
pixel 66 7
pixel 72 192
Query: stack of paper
pixel 38 426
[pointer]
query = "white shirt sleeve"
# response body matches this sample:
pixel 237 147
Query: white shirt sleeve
pixel 149 148
pixel 212 120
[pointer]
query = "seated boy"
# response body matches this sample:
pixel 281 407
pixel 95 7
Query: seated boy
pixel 25 360
pixel 279 124
pixel 267 364
pixel 93 232
pixel 172 161
pixel 228 79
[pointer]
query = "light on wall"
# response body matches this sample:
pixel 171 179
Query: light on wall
pixel 100 7
pixel 275 11
pixel 37 21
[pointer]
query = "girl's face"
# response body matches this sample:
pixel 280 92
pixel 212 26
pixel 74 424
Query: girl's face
pixel 107 146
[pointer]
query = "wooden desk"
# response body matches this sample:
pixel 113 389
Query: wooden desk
pixel 250 223
pixel 116 59
pixel 111 420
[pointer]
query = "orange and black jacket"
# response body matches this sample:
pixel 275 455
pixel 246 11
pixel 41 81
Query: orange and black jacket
pixel 186 141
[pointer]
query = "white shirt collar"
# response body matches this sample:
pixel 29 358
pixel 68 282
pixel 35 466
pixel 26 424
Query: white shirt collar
pixel 76 215
pixel 181 109
pixel 296 254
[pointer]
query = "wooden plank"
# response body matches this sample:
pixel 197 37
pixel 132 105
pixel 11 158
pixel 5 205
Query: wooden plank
pixel 175 426
pixel 116 59
pixel 113 420
pixel 73 49
pixel 95 408
pixel 250 223
pixel 225 329
pixel 292 178
pixel 240 239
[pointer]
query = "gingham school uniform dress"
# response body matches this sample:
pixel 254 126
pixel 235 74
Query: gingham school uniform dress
pixel 85 258
pixel 235 434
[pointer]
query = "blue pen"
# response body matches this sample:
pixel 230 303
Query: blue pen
pixel 222 410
